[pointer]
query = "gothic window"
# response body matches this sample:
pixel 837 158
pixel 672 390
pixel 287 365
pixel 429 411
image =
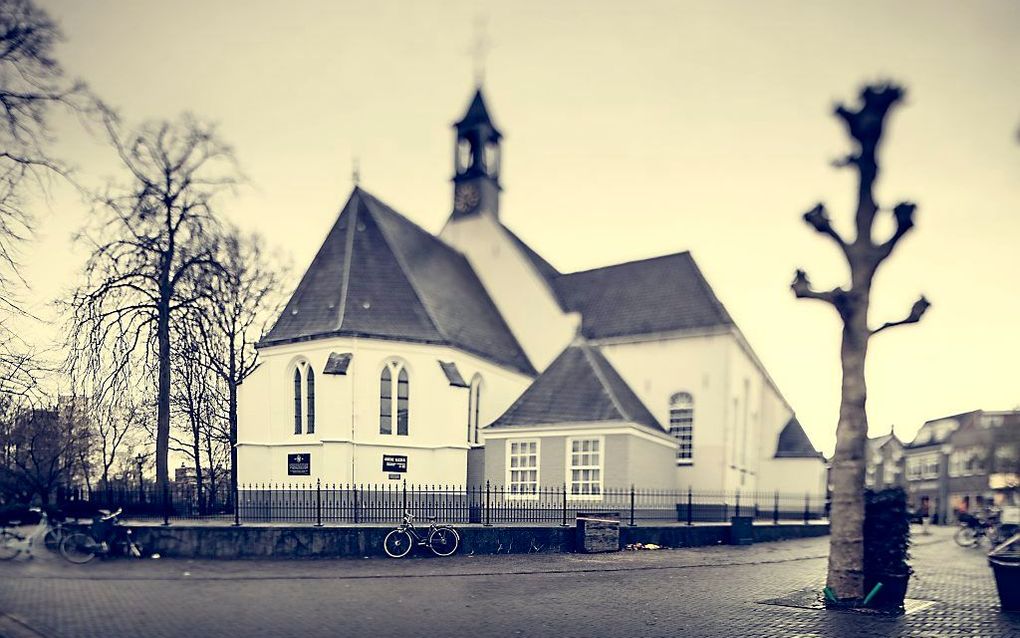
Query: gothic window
pixel 310 394
pixel 394 406
pixel 474 401
pixel 297 400
pixel 304 398
pixel 681 425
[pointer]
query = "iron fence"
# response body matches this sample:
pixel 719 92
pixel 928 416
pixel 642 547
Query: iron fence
pixel 332 503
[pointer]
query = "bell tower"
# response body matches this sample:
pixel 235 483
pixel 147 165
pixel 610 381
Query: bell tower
pixel 476 162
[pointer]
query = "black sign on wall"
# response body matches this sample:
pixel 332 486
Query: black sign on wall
pixel 299 464
pixel 394 463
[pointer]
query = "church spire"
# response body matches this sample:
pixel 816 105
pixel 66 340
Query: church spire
pixel 476 161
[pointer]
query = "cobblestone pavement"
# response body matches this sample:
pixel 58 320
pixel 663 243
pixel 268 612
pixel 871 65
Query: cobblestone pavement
pixel 708 591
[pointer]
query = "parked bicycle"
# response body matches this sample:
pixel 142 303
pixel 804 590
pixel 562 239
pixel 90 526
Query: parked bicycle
pixel 105 537
pixel 13 543
pixel 974 531
pixel 443 540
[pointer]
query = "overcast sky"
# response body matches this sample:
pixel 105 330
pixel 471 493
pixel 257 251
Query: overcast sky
pixel 632 130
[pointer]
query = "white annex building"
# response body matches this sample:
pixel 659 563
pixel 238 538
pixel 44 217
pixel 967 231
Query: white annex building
pixel 468 357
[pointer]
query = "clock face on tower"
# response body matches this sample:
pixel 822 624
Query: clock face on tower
pixel 465 197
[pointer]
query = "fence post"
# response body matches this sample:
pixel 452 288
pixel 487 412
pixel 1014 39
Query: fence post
pixel 563 503
pixel 632 505
pixel 166 504
pixel 404 496
pixel 237 509
pixel 690 502
pixel 357 514
pixel 807 507
pixel 318 502
pixel 775 509
pixel 488 505
pixel 736 512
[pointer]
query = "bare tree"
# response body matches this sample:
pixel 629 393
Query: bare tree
pixel 151 254
pixel 31 83
pixel 40 452
pixel 246 295
pixel 863 255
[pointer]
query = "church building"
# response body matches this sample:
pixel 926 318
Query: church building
pixel 465 357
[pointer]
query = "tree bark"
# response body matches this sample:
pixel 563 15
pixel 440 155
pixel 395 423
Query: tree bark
pixel 232 414
pixel 163 395
pixel 846 541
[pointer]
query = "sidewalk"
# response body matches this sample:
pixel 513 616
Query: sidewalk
pixel 705 591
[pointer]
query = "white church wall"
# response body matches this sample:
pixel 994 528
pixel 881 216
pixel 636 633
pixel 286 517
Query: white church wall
pixel 347 445
pixel 794 476
pixel 697 364
pixel 519 292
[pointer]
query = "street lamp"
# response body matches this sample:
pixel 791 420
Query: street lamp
pixel 140 459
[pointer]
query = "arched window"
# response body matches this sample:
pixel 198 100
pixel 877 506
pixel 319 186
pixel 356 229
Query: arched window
pixel 310 394
pixel 681 425
pixel 304 398
pixel 297 400
pixel 394 405
pixel 474 401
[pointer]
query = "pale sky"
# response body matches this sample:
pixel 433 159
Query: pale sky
pixel 631 130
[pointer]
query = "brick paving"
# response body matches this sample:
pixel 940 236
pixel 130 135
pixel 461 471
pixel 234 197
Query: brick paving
pixel 706 591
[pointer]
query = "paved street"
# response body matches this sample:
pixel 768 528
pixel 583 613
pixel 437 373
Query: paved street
pixel 709 591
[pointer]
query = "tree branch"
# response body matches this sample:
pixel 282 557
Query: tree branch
pixel 916 312
pixel 818 218
pixel 904 214
pixel 802 289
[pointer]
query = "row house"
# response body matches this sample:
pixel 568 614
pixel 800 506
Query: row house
pixel 960 463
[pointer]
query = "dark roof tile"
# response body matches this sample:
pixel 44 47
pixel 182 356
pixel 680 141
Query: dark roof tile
pixel 580 385
pixel 380 275
pixel 794 443
pixel 453 374
pixel 337 363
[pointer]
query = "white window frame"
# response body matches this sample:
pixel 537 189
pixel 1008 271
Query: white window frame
pixel 674 404
pixel 569 468
pixel 523 496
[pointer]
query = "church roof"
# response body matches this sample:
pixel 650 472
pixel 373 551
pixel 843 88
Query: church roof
pixel 580 385
pixel 477 113
pixel 794 442
pixel 661 294
pixel 378 274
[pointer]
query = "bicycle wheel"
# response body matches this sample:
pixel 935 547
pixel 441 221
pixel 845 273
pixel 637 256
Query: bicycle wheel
pixel 444 541
pixel 9 545
pixel 397 544
pixel 965 537
pixel 79 548
pixel 52 538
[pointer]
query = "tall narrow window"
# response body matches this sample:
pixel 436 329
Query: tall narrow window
pixel 310 408
pixel 681 425
pixel 585 471
pixel 522 468
pixel 297 400
pixel 402 400
pixel 474 411
pixel 394 407
pixel 386 402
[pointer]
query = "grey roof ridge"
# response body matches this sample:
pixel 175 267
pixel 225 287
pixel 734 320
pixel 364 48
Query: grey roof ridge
pixel 345 283
pixel 627 263
pixel 582 343
pixel 403 263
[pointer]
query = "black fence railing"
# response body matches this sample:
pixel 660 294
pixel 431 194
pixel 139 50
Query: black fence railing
pixel 321 503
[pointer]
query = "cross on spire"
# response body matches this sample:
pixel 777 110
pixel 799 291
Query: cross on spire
pixel 480 48
pixel 356 170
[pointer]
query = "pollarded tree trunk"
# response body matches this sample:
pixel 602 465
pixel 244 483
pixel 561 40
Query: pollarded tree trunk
pixel 864 256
